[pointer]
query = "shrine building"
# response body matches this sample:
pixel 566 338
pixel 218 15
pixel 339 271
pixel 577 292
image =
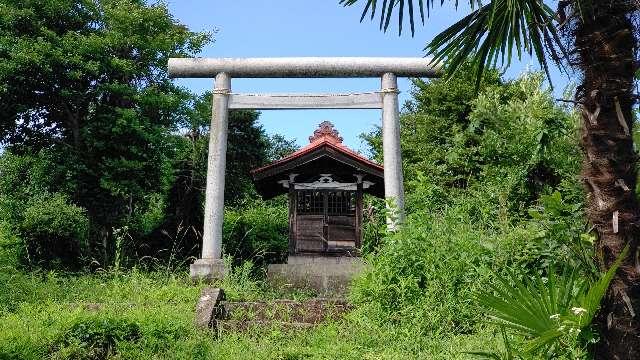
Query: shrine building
pixel 325 182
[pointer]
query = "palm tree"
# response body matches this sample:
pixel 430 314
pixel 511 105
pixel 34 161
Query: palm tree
pixel 598 40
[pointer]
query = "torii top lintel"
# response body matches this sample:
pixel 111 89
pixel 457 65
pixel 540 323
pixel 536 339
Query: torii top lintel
pixel 303 67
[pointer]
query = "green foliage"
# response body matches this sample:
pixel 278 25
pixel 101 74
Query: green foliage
pixel 561 234
pixel 105 160
pixel 496 31
pixel 54 231
pixel 130 315
pixel 103 131
pixel 508 145
pixel 50 230
pixel 46 307
pixel 279 147
pixel 95 338
pixel 248 146
pixel 374 227
pixel 86 82
pixel 424 275
pixel 258 231
pixel 507 354
pixel 241 281
pixel 89 114
pixel 22 178
pixel 491 188
pixel 554 313
pixel 179 235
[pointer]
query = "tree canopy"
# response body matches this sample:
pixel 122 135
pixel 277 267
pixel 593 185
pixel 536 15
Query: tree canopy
pixel 85 95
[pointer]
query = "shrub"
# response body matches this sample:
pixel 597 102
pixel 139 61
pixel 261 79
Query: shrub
pixel 94 338
pixel 54 231
pixel 374 227
pixel 257 231
pixel 471 180
pixel 35 213
pixel 423 277
pixel 21 178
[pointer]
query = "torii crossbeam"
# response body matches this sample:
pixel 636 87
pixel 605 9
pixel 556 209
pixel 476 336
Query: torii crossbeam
pixel 388 69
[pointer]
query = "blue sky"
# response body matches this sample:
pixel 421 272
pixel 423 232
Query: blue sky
pixel 270 28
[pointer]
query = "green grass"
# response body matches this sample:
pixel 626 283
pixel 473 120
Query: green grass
pixel 38 312
pixel 49 315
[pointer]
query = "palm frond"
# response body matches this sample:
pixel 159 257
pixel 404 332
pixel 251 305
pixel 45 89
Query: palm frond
pixel 593 297
pixel 536 308
pixel 497 31
pixel 530 307
pixel 387 9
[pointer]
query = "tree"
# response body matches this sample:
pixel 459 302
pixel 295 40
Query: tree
pixel 279 147
pixel 86 81
pixel 248 147
pixel 599 40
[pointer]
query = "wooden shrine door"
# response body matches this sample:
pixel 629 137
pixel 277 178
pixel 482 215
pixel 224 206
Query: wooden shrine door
pixel 326 221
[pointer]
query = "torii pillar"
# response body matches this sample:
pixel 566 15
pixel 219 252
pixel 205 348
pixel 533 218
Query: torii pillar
pixel 210 265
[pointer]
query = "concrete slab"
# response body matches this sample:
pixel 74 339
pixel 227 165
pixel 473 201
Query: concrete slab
pixel 208 269
pixel 208 306
pixel 323 274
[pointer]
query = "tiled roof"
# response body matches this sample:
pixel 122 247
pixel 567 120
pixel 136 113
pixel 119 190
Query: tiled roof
pixel 327 136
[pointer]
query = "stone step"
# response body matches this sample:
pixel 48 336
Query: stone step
pixel 327 276
pixel 215 313
pixel 310 311
pixel 226 326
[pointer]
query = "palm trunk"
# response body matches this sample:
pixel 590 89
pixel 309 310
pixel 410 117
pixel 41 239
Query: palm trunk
pixel 606 52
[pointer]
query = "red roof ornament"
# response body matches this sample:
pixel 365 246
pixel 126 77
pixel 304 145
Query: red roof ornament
pixel 325 131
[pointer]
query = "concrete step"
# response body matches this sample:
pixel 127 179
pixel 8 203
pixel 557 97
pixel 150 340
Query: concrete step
pixel 213 312
pixel 226 326
pixel 310 311
pixel 327 276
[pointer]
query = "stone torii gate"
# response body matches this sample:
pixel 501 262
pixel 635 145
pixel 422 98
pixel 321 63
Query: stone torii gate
pixel 210 265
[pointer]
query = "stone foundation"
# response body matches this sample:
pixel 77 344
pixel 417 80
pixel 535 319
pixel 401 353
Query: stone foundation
pixel 208 269
pixel 213 312
pixel 323 274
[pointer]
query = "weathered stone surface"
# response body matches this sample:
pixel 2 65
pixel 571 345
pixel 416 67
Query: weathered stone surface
pixel 393 178
pixel 304 67
pixel 282 314
pixel 208 307
pixel 370 100
pixel 208 269
pixel 325 275
pixel 238 326
pixel 216 167
pixel 311 311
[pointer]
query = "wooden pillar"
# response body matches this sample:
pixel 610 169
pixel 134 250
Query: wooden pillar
pixel 359 216
pixel 325 226
pixel 293 203
pixel 211 265
pixel 393 180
